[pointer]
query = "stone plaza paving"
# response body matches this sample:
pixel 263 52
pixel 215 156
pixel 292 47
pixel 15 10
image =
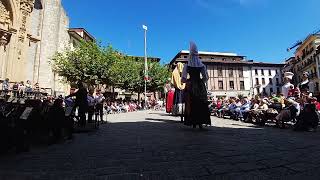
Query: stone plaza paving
pixel 154 145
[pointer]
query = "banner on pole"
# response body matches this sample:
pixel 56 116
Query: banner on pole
pixel 145 27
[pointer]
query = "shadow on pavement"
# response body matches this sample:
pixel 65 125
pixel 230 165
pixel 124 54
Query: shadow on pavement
pixel 159 148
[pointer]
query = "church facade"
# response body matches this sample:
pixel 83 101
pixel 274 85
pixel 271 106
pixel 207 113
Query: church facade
pixel 31 31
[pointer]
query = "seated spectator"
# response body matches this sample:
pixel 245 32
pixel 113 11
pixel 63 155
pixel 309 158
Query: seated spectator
pixel 15 89
pixel 21 89
pixel 113 107
pixel 244 109
pixel 235 111
pixel 56 120
pixel 254 106
pixel 224 108
pixel 126 107
pixel 308 120
pixel 291 111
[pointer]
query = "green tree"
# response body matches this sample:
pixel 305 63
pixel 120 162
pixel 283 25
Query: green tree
pixel 94 65
pixel 128 73
pixel 159 74
pixel 89 62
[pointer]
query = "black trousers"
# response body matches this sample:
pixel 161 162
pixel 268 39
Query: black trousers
pixel 99 111
pixel 82 115
pixel 90 113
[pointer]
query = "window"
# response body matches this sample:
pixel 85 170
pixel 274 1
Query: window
pixel 269 72
pixel 200 57
pixel 241 85
pixel 258 90
pixel 263 81
pixel 278 90
pixel 212 58
pixel 257 81
pixel 277 81
pixel 276 71
pixel 185 57
pixel 220 71
pixel 264 91
pixel 230 72
pixel 256 71
pixel 240 72
pixel 270 81
pixel 271 90
pixel 220 85
pixel 262 72
pixel 223 59
pixel 231 83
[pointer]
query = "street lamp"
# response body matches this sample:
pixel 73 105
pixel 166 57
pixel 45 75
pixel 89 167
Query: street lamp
pixel 145 65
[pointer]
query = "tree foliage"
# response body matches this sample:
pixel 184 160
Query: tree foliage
pixel 89 62
pixel 95 65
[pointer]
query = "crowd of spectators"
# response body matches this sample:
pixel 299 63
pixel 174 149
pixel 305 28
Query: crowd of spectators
pixel 124 106
pixel 299 109
pixel 21 89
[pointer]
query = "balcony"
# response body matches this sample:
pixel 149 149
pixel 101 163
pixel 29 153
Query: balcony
pixel 306 63
pixel 313 76
pixel 306 53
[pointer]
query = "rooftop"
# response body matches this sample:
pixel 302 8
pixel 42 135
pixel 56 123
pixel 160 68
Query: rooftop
pixel 82 29
pixel 211 53
pixel 207 53
pixel 156 59
pixel 312 35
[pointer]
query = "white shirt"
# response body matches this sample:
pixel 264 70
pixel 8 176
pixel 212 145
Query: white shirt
pixel 286 88
pixel 311 86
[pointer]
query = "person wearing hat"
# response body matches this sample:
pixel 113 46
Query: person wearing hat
pixel 286 87
pixel 306 87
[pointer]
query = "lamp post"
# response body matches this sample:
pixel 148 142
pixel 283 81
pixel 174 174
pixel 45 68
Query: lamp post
pixel 145 65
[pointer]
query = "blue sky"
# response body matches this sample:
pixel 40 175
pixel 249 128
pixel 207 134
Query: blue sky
pixel 262 30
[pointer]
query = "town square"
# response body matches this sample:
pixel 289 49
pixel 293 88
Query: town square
pixel 185 90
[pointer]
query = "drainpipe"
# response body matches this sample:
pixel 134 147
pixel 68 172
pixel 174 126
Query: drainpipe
pixel 251 79
pixel 42 20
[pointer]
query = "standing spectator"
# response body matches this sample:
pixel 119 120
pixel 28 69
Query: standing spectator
pixel 5 86
pixel 99 106
pixel 81 102
pixel 15 89
pixel 91 105
pixel 28 88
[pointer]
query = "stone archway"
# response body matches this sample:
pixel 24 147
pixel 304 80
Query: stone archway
pixel 8 12
pixel 9 25
pixel 6 24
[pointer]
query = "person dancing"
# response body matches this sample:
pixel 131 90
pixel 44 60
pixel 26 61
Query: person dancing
pixel 196 101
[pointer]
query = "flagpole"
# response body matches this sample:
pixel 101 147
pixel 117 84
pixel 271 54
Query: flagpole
pixel 145 65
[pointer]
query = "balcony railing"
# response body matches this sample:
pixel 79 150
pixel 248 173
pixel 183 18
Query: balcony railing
pixel 306 63
pixel 306 53
pixel 313 75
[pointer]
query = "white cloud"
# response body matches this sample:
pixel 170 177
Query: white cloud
pixel 224 4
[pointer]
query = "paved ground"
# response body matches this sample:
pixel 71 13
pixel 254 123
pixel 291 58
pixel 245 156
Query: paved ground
pixel 154 145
